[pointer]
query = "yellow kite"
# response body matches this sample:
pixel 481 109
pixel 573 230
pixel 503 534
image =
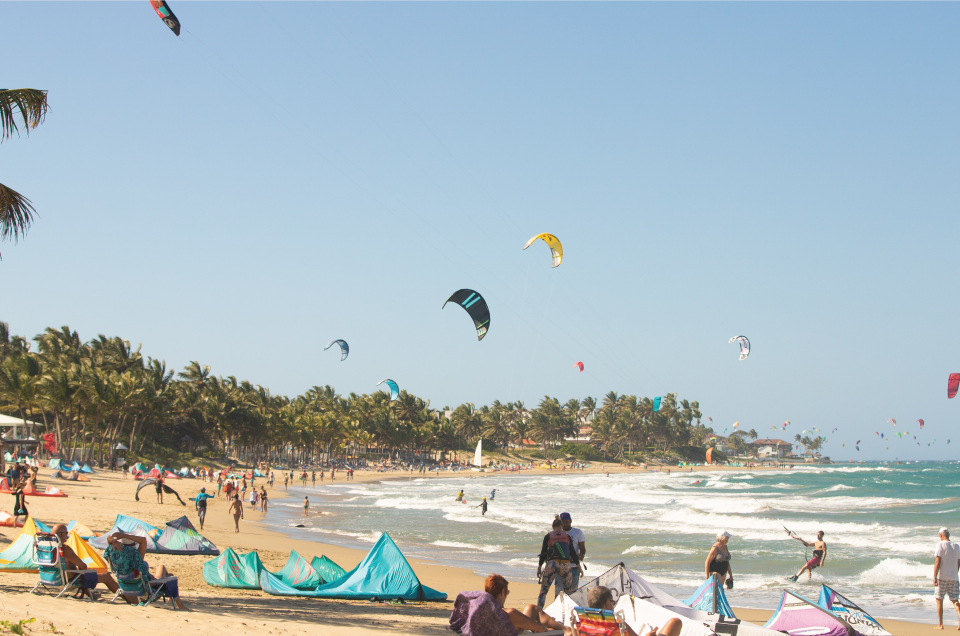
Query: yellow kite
pixel 556 249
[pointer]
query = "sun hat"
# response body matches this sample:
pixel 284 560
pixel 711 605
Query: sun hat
pixel 722 534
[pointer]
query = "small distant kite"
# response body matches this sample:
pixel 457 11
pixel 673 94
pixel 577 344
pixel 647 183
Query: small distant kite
pixel 744 345
pixel 953 382
pixel 578 365
pixel 921 424
pixel 833 431
pixel 948 441
pixel 710 418
pixel 892 420
pixel 736 425
pixel 773 428
pixel 656 403
pixel 476 306
pixel 556 249
pixel 163 10
pixel 394 389
pixel 344 348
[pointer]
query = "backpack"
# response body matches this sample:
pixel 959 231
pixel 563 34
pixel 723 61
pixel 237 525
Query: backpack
pixel 559 546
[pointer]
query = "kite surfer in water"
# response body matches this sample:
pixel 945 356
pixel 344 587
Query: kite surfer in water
pixel 819 556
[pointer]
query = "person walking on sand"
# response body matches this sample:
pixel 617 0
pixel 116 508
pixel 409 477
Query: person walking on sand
pixel 263 499
pixel 945 577
pixel 158 484
pixel 219 484
pixel 201 505
pixel 819 557
pixel 284 481
pixel 19 502
pixel 236 509
pixel 718 560
pixel 313 478
pixel 306 505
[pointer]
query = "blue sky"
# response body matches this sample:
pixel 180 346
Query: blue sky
pixel 289 173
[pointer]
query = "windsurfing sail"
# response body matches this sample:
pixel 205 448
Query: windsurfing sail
pixel 855 616
pixel 477 459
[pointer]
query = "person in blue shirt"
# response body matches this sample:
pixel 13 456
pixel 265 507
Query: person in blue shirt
pixel 202 505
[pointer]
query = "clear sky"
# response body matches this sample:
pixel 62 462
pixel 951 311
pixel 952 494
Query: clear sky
pixel 289 173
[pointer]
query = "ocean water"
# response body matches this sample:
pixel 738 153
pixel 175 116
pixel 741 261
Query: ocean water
pixel 880 522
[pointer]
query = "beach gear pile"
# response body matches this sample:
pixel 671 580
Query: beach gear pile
pixel 707 611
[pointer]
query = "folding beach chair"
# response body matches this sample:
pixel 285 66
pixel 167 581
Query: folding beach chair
pixel 596 622
pixel 138 587
pixel 53 569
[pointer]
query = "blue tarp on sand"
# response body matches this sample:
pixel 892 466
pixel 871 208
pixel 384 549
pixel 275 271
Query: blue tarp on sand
pixel 383 575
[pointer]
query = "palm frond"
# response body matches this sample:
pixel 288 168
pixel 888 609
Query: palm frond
pixel 16 214
pixel 28 104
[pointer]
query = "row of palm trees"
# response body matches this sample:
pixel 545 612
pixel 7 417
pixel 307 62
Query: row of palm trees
pixel 92 396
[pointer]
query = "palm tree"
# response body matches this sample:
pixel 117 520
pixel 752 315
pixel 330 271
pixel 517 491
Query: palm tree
pixel 30 106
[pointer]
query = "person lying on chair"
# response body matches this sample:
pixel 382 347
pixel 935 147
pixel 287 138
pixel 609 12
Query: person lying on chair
pixel 125 554
pixel 91 578
pixel 602 598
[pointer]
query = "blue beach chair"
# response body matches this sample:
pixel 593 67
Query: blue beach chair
pixel 54 574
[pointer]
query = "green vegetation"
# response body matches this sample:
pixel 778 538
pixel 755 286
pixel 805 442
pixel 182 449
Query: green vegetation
pixel 30 106
pixel 94 395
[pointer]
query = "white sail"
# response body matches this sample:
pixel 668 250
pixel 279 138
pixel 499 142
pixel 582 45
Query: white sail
pixel 477 460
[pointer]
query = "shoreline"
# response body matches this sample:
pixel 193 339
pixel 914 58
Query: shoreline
pixel 243 610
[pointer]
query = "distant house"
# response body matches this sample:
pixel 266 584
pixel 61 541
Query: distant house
pixel 772 447
pixel 721 443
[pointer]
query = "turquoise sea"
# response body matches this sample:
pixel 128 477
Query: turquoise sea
pixel 880 520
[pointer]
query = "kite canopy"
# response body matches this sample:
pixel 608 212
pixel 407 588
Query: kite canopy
pixel 556 249
pixel 129 525
pixel 656 403
pixel 86 553
pixel 240 572
pixel 394 389
pixel 710 455
pixel 476 306
pixel 344 348
pixel 644 603
pixel 710 597
pixel 744 345
pixel 863 624
pixel 174 541
pixel 921 424
pixel 578 365
pixel 18 557
pixel 797 615
pixel 384 574
pixel 953 382
pixel 299 574
pixel 327 569
pixel 163 10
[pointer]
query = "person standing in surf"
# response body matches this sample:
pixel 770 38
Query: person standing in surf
pixel 819 557
pixel 579 546
pixel 482 506
pixel 718 560
pixel 945 575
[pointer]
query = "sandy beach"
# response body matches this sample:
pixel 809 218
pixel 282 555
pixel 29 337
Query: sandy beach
pixel 211 609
